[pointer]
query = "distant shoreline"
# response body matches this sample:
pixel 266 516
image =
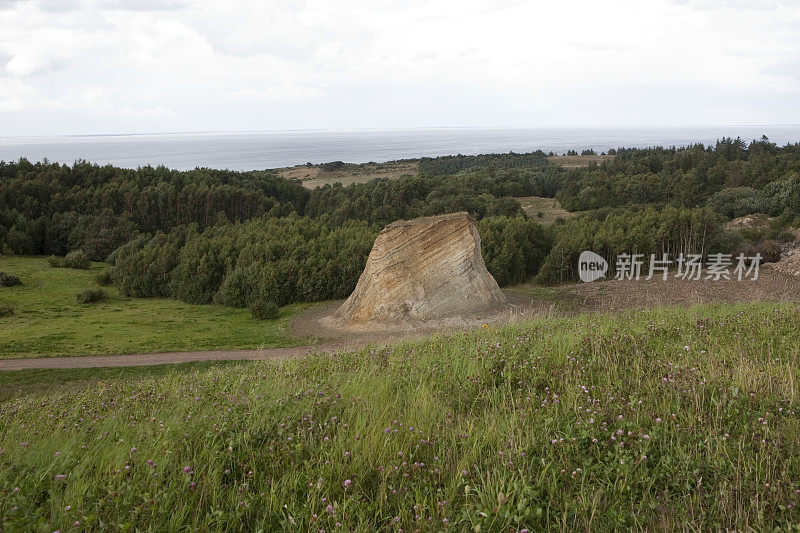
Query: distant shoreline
pixel 281 149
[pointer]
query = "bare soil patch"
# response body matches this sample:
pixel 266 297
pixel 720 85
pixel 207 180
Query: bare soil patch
pixel 314 324
pixel 612 295
pixel 756 221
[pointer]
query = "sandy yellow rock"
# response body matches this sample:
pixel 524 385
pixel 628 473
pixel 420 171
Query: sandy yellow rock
pixel 422 270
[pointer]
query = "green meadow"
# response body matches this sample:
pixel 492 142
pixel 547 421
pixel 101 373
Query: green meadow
pixel 48 321
pixel 674 418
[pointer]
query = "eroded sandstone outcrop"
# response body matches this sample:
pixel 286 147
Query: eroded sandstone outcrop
pixel 421 270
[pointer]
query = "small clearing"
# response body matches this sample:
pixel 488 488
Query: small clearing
pixel 755 221
pixel 543 210
pixel 318 175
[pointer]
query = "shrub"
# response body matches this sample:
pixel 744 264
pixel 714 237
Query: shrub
pixel 770 251
pixel 333 165
pixel 76 259
pixel 737 201
pixel 263 309
pixel 9 280
pixel 90 296
pixel 6 310
pixel 104 278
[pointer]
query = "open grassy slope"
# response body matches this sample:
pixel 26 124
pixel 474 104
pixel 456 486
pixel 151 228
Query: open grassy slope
pixel 662 419
pixel 48 321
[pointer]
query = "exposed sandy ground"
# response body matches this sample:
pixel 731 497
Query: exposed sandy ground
pixel 315 176
pixel 550 209
pixel 755 221
pixel 603 296
pixel 577 161
pixel 611 295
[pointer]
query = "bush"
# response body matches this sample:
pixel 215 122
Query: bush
pixel 90 296
pixel 6 310
pixel 104 278
pixel 333 165
pixel 737 202
pixel 77 259
pixel 263 309
pixel 770 251
pixel 9 280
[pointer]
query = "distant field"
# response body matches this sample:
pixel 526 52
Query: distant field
pixel 670 419
pixel 48 321
pixel 317 175
pixel 544 210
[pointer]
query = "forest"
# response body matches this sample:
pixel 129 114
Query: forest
pixel 232 238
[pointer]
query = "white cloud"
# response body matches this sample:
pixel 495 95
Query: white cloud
pixel 145 65
pixel 279 92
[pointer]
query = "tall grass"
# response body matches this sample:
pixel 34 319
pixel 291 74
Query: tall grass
pixel 673 418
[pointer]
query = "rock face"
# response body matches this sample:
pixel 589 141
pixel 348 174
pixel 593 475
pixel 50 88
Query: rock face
pixel 424 269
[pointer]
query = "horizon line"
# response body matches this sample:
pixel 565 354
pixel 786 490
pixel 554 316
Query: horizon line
pixel 404 128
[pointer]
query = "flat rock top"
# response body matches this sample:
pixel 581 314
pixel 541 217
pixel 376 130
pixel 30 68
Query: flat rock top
pixel 422 221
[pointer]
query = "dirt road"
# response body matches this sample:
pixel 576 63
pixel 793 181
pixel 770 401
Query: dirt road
pixel 607 296
pixel 163 358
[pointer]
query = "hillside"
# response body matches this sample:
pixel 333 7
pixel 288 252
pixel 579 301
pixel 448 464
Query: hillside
pixel 662 419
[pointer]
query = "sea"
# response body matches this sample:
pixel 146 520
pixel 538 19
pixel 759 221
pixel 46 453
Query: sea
pixel 277 149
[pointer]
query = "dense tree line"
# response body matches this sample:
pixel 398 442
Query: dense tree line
pixel 251 238
pixel 453 164
pixel 514 248
pixel 688 176
pixel 54 209
pixel 280 259
pixel 671 231
pixel 291 259
pixel 484 192
pixel 47 208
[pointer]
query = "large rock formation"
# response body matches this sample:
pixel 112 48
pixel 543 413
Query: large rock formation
pixel 423 270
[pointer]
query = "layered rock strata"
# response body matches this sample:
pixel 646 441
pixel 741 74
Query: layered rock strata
pixel 420 270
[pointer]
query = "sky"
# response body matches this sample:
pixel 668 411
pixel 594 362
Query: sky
pixel 147 66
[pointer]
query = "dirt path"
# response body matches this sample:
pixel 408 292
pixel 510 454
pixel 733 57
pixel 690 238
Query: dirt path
pixel 606 296
pixel 170 357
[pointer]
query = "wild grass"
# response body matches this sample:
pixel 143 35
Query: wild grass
pixel 48 321
pixel 666 419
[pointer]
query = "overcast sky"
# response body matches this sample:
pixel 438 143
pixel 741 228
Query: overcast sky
pixel 126 66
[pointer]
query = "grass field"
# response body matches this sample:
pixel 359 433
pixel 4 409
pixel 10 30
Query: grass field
pixel 543 210
pixel 316 176
pixel 48 321
pixel 675 418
